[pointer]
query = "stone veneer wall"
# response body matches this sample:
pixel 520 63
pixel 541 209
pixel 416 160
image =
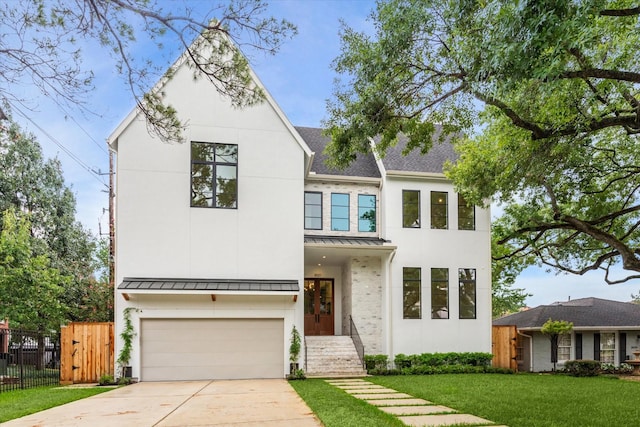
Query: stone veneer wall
pixel 366 297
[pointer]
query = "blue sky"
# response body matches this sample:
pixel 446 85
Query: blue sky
pixel 299 78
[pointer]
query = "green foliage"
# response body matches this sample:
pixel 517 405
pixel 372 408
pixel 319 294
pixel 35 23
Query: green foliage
pixel 127 335
pixel 541 100
pixel 106 380
pixel 297 374
pixel 553 329
pixel 31 289
pixel 45 52
pixel 294 347
pixel 582 368
pixel 479 359
pixel 376 362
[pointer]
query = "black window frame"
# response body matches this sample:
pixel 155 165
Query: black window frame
pixel 411 281
pixel 309 204
pixel 417 222
pixel 463 284
pixel 348 206
pixel 368 209
pixel 437 308
pixel 435 207
pixel 463 207
pixel 214 165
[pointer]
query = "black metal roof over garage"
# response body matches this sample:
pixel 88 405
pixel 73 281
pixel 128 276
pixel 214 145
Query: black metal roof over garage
pixel 344 240
pixel 208 285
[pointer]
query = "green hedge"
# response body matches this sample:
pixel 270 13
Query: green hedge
pixel 432 363
pixel 403 361
pixel 582 368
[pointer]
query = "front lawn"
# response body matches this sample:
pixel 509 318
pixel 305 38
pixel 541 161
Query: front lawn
pixel 523 400
pixel 18 403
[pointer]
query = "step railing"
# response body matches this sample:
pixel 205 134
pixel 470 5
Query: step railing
pixel 304 339
pixel 357 341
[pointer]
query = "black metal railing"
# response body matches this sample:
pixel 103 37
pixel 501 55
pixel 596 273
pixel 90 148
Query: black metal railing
pixel 305 352
pixel 28 359
pixel 355 336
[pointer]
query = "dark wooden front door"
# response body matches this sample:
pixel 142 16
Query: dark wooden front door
pixel 318 307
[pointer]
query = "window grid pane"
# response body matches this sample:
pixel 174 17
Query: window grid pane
pixel 607 347
pixel 214 175
pixel 467 292
pixel 366 212
pixel 339 212
pixel 312 211
pixel 466 215
pixel 438 210
pixel 411 284
pixel 411 209
pixel 439 293
pixel 564 347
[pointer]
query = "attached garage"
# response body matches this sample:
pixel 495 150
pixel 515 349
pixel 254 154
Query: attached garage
pixel 197 349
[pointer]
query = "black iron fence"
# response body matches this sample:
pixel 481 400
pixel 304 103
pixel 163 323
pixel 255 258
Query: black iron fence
pixel 357 341
pixel 28 359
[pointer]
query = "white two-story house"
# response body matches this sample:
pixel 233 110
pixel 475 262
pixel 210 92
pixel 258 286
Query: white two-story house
pixel 226 242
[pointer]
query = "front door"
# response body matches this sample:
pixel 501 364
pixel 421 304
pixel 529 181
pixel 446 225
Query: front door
pixel 318 307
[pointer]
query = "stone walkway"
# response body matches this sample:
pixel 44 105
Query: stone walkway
pixel 410 410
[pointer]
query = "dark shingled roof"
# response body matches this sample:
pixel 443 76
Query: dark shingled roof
pixel 415 161
pixel 584 312
pixel 364 165
pixel 153 284
pixel 343 240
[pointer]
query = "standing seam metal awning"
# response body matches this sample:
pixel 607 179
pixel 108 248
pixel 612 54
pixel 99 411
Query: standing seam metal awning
pixel 219 286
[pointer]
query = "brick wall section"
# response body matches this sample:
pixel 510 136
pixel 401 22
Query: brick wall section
pixel 326 188
pixel 366 289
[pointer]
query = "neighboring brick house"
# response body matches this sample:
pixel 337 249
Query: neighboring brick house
pixel 604 330
pixel 226 242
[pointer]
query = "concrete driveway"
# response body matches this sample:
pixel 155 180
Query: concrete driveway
pixel 268 403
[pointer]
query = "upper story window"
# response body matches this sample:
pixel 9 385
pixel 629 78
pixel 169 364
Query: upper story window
pixel 214 175
pixel 312 210
pixel 411 208
pixel 467 292
pixel 366 212
pixel 339 212
pixel 466 215
pixel 439 293
pixel 411 293
pixel 439 210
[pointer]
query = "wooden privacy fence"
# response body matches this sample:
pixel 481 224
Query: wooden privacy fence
pixel 503 346
pixel 86 352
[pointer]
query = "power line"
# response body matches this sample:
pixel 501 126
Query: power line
pixel 70 153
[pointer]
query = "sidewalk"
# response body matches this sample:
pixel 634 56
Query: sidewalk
pixel 410 410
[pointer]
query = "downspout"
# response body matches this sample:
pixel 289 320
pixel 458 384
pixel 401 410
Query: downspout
pixel 530 348
pixel 389 292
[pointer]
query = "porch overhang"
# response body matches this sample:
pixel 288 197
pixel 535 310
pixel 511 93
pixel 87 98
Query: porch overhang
pixel 335 250
pixel 164 286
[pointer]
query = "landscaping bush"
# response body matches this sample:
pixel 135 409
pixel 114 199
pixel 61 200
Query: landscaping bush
pixel 376 362
pixel 582 368
pixel 106 380
pixel 611 369
pixel 403 361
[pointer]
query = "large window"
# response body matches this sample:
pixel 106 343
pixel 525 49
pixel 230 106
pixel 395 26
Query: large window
pixel 339 212
pixel 410 209
pixel 466 215
pixel 312 210
pixel 564 347
pixel 439 210
pixel 467 292
pixel 366 212
pixel 214 175
pixel 607 347
pixel 411 293
pixel 439 293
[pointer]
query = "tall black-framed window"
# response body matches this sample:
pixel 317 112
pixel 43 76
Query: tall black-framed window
pixel 366 212
pixel 439 293
pixel 439 210
pixel 466 215
pixel 411 284
pixel 214 175
pixel 312 210
pixel 410 208
pixel 339 212
pixel 467 292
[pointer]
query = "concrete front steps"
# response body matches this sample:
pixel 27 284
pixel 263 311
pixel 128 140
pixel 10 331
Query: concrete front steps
pixel 332 357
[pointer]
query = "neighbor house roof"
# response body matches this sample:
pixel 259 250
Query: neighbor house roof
pixel 583 313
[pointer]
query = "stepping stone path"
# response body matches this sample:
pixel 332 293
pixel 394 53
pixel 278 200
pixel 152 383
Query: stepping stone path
pixel 410 410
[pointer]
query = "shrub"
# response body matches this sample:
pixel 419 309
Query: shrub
pixel 106 380
pixel 403 361
pixel 297 374
pixel 376 362
pixel 582 368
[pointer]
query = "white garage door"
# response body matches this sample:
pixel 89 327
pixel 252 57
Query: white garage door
pixel 197 349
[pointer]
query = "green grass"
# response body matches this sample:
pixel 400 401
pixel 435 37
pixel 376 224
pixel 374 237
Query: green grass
pixel 529 400
pixel 18 403
pixel 523 400
pixel 336 408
